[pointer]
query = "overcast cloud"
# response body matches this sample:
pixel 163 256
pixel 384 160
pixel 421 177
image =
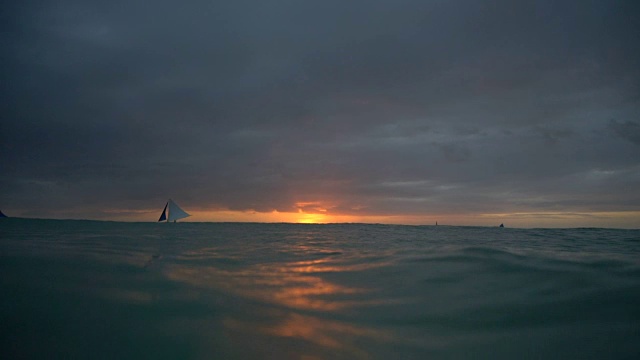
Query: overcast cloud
pixel 355 107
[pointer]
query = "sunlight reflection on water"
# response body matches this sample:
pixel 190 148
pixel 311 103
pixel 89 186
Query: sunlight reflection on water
pixel 281 291
pixel 299 292
pixel 289 285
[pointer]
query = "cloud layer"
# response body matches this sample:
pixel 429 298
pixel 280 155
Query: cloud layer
pixel 347 108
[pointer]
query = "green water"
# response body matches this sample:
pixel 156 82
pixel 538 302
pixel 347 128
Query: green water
pixel 103 290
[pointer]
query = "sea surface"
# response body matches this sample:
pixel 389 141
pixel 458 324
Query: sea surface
pixel 113 290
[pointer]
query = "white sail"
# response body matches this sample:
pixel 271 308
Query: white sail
pixel 175 212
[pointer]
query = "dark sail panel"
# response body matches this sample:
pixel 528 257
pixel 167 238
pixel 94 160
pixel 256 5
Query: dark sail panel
pixel 2 215
pixel 164 213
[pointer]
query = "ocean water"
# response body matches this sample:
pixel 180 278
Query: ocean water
pixel 109 290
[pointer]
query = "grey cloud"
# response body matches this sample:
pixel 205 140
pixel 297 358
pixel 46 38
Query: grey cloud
pixel 628 130
pixel 463 106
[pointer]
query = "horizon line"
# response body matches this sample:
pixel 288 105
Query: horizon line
pixel 320 223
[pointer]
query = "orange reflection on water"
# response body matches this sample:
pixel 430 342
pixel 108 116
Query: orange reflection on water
pixel 335 336
pixel 323 266
pixel 324 332
pixel 284 290
pixel 309 295
pixel 288 284
pixel 297 285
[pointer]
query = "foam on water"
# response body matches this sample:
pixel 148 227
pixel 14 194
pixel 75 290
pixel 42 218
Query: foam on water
pixel 84 289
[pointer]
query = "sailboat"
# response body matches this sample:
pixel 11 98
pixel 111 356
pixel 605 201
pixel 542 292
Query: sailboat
pixel 172 212
pixel 2 215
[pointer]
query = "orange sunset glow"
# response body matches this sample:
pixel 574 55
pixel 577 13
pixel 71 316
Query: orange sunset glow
pixel 315 213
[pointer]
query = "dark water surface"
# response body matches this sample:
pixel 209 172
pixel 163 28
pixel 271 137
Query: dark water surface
pixel 109 290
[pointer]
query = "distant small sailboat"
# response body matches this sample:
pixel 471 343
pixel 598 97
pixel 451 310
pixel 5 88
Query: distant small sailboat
pixel 501 225
pixel 2 215
pixel 172 212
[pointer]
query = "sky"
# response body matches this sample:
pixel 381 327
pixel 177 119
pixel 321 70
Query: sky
pixel 471 112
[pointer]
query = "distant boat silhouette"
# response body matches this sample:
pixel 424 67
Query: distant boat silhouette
pixel 2 215
pixel 172 212
pixel 501 225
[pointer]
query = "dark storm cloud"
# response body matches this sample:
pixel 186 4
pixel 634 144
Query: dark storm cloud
pixel 370 107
